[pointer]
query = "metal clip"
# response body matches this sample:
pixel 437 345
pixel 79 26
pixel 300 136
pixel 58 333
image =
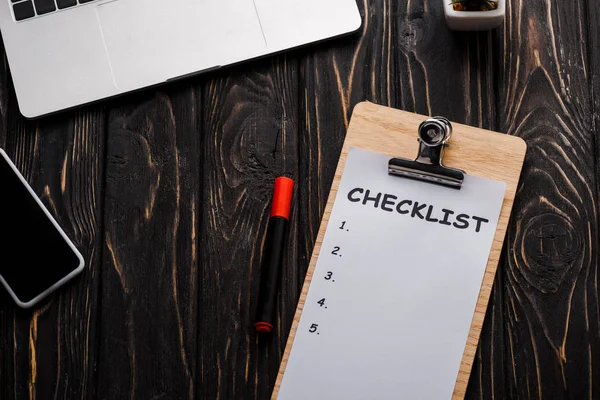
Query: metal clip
pixel 434 134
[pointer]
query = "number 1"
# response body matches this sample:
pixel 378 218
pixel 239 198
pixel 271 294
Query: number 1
pixel 343 223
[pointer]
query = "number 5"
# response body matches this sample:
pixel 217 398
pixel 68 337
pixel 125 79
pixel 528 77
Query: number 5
pixel 313 328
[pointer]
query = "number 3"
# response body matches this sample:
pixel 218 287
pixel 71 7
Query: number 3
pixel 329 275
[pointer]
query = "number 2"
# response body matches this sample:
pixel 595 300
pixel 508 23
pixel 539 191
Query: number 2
pixel 335 250
pixel 313 328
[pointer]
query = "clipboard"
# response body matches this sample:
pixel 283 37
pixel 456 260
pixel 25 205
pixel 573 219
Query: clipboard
pixel 471 150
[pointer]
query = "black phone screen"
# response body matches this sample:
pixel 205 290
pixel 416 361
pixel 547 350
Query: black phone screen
pixel 33 254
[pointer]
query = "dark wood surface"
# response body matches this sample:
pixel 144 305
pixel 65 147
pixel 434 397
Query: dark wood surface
pixel 166 193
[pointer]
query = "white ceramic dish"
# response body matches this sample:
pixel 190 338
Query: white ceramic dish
pixel 474 20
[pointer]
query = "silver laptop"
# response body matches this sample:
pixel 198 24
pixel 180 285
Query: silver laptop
pixel 64 53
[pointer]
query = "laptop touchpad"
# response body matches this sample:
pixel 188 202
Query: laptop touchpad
pixel 151 41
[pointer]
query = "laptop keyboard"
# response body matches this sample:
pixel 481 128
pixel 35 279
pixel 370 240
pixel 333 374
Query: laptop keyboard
pixel 30 8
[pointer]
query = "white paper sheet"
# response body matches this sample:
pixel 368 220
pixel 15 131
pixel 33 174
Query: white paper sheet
pixel 394 290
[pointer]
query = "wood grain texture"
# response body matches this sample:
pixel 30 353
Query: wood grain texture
pixel 199 156
pixel 334 77
pixel 392 132
pixel 50 351
pixel 5 87
pixel 7 379
pixel 550 270
pixel 441 71
pixel 150 265
pixel 402 57
pixel 593 46
pixel 250 126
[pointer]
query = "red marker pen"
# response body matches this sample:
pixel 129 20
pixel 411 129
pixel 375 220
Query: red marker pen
pixel 272 256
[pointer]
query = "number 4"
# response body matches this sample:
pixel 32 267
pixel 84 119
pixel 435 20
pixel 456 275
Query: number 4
pixel 321 302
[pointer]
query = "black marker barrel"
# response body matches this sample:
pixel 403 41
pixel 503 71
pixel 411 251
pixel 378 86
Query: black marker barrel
pixel 272 256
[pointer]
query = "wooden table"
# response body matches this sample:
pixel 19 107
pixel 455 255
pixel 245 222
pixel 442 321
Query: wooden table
pixel 166 193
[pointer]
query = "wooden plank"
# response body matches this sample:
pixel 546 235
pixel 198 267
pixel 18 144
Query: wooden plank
pixel 452 74
pixel 50 351
pixel 7 370
pixel 334 77
pixel 552 344
pixel 488 375
pixel 4 96
pixel 250 137
pixel 404 58
pixel 392 132
pixel 593 321
pixel 150 265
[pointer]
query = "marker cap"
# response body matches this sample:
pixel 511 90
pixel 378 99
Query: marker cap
pixel 263 327
pixel 282 197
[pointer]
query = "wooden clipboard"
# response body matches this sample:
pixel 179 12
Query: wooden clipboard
pixel 476 151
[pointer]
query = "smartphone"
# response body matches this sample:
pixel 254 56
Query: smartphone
pixel 36 256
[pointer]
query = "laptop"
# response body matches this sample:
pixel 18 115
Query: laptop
pixel 65 53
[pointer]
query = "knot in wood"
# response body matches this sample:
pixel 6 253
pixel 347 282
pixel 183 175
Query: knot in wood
pixel 549 247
